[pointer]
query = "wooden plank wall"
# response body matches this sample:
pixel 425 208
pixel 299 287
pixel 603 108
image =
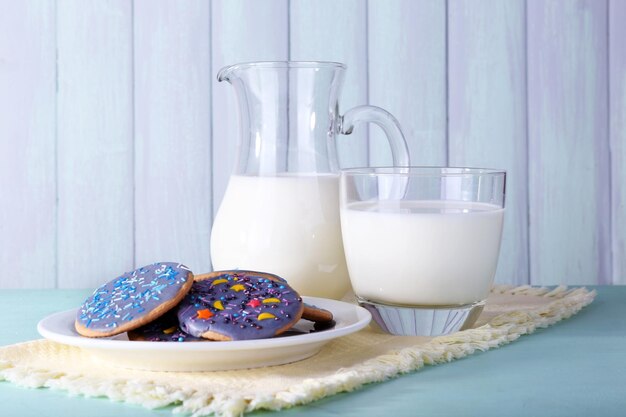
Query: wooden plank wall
pixel 28 184
pixel 95 180
pixel 117 141
pixel 172 69
pixel 407 76
pixel 617 134
pixel 568 152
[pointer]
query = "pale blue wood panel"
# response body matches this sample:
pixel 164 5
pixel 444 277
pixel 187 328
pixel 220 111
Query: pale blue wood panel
pixel 173 132
pixel 407 76
pixel 568 142
pixel 487 110
pixel 617 70
pixel 241 31
pixel 328 30
pixel 27 143
pixel 95 141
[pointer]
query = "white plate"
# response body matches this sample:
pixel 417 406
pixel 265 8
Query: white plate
pixel 208 356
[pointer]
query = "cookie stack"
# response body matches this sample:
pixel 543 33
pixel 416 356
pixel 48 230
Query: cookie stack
pixel 165 302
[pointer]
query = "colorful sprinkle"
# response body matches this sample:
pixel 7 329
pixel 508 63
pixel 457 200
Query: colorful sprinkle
pixel 205 314
pixel 254 303
pixel 265 316
pixel 170 330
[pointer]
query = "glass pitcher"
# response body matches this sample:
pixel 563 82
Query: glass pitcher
pixel 280 212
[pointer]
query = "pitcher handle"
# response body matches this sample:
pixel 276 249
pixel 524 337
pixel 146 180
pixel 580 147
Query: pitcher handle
pixel 384 119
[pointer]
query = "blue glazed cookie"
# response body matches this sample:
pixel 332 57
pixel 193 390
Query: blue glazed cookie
pixel 239 305
pixel 133 299
pixel 163 329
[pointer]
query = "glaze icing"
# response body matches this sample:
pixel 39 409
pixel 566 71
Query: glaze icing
pixel 163 329
pixel 242 306
pixel 132 296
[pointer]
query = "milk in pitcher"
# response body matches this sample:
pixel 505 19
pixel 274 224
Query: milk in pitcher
pixel 283 224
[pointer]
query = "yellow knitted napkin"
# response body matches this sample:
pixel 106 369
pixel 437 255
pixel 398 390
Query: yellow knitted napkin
pixel 344 364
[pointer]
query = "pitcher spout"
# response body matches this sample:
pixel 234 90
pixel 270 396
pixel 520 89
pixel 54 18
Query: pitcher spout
pixel 225 73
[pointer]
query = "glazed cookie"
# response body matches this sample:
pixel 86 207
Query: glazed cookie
pixel 316 314
pixel 133 299
pixel 267 275
pixel 239 305
pixel 163 329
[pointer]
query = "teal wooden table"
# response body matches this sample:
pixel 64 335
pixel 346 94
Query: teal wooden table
pixel 575 368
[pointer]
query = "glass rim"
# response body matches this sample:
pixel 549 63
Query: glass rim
pixel 423 171
pixel 224 71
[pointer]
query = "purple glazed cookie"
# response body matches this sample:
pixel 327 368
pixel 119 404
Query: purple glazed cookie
pixel 133 299
pixel 163 329
pixel 239 305
pixel 267 275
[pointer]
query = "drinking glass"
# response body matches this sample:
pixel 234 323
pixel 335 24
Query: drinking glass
pixel 422 243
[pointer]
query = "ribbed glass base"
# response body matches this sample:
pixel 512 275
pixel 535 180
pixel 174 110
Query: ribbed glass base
pixel 422 320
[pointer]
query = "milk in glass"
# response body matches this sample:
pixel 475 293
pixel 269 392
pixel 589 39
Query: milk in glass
pixel 422 253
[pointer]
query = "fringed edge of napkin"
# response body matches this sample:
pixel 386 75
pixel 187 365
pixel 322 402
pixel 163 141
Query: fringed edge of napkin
pixel 501 330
